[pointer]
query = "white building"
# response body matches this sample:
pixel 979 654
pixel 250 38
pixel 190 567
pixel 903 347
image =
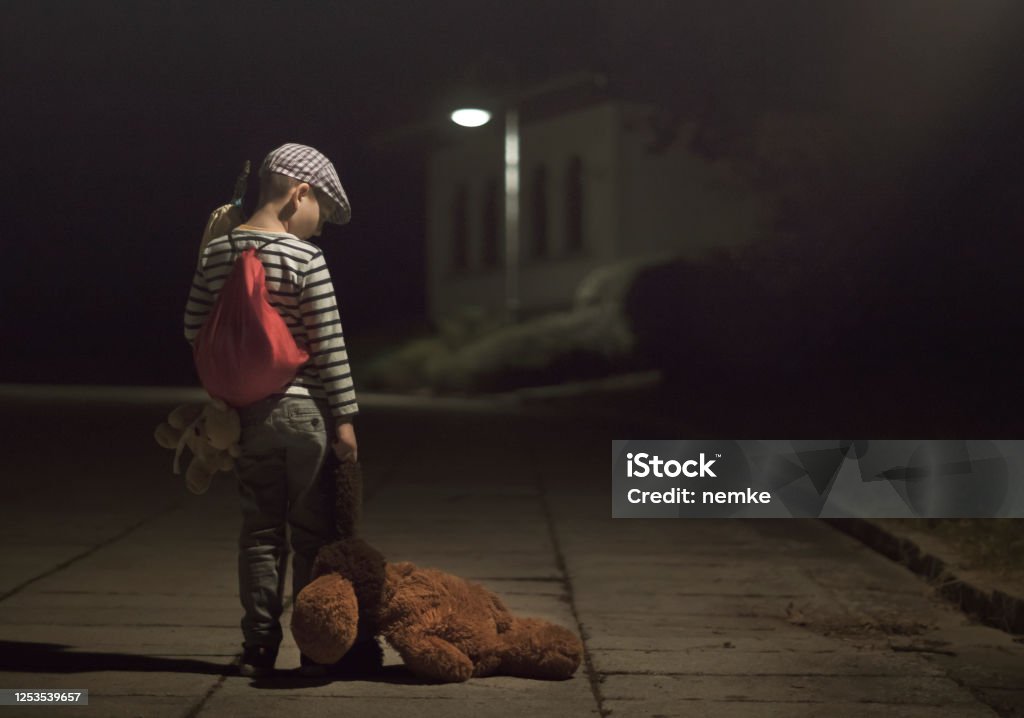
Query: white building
pixel 593 192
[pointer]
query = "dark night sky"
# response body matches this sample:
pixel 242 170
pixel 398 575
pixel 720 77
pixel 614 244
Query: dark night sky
pixel 126 122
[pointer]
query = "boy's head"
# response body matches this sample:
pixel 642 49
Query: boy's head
pixel 305 177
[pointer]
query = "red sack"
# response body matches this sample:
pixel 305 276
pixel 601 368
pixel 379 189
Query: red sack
pixel 244 351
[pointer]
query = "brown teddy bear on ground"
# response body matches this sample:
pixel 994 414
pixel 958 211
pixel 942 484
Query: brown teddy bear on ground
pixel 445 628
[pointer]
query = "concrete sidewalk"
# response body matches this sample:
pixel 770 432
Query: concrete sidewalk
pixel 116 580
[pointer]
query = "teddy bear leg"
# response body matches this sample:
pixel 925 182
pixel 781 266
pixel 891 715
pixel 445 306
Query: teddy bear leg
pixel 432 657
pixel 538 649
pixel 198 477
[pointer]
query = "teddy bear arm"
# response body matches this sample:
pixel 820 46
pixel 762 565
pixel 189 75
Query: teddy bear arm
pixel 432 657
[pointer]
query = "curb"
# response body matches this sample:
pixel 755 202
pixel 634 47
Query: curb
pixel 991 607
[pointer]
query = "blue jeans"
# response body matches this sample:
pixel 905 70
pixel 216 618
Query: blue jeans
pixel 281 482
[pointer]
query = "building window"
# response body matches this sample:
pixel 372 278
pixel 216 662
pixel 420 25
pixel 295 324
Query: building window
pixel 574 205
pixel 539 212
pixel 490 221
pixel 460 229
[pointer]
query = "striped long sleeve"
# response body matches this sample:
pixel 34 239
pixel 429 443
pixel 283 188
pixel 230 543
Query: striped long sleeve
pixel 200 301
pixel 300 288
pixel 326 339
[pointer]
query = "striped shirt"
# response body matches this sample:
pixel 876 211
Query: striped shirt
pixel 300 289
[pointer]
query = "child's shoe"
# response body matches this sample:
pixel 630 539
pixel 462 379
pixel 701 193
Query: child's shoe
pixel 257 661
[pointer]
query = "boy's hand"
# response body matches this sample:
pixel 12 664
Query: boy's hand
pixel 345 447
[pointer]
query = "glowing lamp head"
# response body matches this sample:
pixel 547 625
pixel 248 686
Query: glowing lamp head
pixel 471 117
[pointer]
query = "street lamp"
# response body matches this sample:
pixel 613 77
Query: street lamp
pixel 473 117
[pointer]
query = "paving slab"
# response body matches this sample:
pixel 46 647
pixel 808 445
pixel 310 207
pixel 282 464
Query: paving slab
pixel 893 690
pixel 735 708
pixel 185 677
pixel 124 639
pixel 377 706
pixel 115 706
pixel 712 638
pixel 726 659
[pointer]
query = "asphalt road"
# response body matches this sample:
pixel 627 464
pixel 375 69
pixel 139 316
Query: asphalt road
pixel 116 580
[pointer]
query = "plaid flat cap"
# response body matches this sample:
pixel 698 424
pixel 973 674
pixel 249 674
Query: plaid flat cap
pixel 308 165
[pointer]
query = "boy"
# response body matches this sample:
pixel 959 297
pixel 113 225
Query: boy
pixel 284 437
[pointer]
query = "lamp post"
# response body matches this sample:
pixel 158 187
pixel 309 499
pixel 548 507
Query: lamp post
pixel 512 238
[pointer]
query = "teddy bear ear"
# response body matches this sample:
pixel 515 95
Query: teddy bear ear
pixel 403 568
pixel 184 415
pixel 167 436
pixel 325 618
